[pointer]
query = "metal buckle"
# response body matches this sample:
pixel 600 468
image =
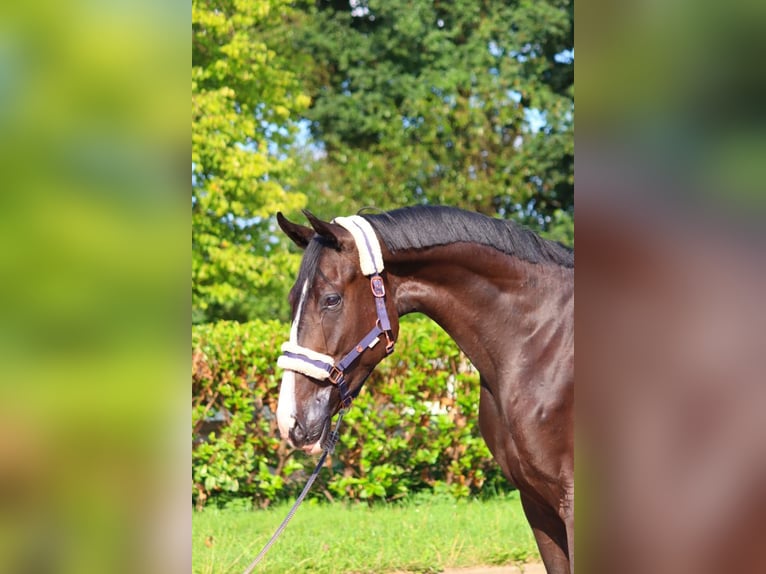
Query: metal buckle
pixel 389 343
pixel 335 376
pixel 378 287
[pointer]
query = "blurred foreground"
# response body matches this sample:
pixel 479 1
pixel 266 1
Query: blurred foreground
pixel 670 178
pixel 94 145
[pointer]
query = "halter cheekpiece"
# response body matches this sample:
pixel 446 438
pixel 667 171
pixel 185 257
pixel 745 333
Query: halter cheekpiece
pixel 323 367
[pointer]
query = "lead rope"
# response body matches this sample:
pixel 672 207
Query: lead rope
pixel 327 448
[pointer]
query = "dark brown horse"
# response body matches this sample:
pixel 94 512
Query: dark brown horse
pixel 505 295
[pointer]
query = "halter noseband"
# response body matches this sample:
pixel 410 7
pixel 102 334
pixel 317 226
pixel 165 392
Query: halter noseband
pixel 323 367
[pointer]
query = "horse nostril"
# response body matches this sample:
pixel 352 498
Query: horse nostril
pixel 297 434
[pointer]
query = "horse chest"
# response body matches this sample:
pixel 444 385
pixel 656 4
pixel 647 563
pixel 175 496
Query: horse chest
pixel 525 435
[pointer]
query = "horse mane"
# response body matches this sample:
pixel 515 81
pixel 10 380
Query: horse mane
pixel 425 226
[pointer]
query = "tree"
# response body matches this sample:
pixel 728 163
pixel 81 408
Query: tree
pixel 466 103
pixel 244 96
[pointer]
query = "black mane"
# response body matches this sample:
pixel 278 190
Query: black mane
pixel 429 226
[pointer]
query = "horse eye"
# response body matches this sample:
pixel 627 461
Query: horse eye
pixel 331 301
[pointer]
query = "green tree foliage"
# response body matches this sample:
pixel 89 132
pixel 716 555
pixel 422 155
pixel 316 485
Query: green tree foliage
pixel 244 95
pixel 464 103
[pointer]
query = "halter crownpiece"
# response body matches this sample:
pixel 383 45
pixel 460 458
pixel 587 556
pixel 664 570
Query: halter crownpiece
pixel 370 255
pixel 323 367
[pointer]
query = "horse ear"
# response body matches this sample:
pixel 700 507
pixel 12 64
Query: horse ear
pixel 330 231
pixel 300 234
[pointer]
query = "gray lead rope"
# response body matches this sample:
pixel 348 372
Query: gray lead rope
pixel 327 448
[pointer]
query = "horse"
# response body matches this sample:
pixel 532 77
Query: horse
pixel 505 296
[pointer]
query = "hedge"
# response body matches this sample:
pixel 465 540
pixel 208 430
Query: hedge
pixel 413 428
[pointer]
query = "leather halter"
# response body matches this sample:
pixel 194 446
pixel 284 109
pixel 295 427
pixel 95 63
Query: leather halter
pixel 323 367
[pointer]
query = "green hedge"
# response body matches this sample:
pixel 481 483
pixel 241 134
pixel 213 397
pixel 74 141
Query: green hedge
pixel 413 428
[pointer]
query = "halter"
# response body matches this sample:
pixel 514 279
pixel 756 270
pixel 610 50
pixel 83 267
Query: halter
pixel 323 367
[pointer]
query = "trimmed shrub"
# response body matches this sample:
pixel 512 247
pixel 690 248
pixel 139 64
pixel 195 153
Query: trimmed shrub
pixel 413 428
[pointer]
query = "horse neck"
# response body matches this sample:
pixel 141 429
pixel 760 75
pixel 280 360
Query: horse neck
pixel 484 299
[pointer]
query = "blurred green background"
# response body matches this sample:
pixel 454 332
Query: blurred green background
pixel 93 298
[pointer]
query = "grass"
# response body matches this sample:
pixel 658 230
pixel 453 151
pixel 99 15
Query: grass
pixel 417 535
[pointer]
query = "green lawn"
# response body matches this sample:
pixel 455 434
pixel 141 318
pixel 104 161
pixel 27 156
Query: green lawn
pixel 422 535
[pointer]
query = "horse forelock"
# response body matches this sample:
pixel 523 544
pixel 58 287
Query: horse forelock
pixel 308 269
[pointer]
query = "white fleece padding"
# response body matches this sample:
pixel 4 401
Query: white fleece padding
pixel 298 366
pixel 360 228
pixel 313 355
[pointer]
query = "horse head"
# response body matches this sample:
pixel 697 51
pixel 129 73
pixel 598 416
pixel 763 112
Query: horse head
pixel 340 325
